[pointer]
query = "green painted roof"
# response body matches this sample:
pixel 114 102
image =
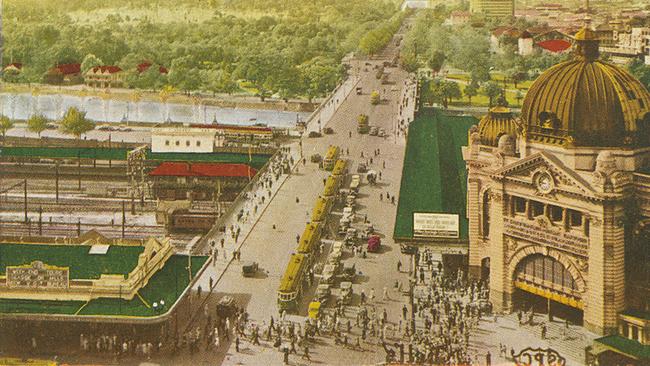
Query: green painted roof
pixel 118 259
pixel 255 160
pixel 434 177
pixel 167 284
pixel 626 346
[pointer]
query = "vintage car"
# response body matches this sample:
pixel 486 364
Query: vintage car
pixel 349 271
pixel 408 249
pixel 346 292
pixel 226 307
pixel 249 269
pixel 329 272
pixel 314 310
pixel 323 292
pixel 374 242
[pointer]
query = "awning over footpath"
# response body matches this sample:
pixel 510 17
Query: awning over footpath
pixel 434 177
pixel 622 345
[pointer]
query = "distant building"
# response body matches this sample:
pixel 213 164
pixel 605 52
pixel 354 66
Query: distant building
pixel 558 213
pixel 184 140
pixel 104 77
pixel 199 181
pixel 628 45
pixel 493 8
pixel 14 67
pixel 204 138
pixel 64 74
pixel 146 65
pixel 458 17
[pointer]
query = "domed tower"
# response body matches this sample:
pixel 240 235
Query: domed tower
pixel 587 102
pixel 555 220
pixel 497 122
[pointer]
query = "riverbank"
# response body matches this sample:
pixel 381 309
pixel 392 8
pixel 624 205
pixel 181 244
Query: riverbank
pixel 238 101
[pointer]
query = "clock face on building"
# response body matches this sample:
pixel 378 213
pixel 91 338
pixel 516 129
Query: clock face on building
pixel 544 182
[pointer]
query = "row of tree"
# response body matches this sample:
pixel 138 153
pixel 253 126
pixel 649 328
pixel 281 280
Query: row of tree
pixel 286 47
pixel 432 44
pixel 74 122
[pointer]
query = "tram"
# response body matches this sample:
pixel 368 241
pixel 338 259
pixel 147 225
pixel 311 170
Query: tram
pixel 291 283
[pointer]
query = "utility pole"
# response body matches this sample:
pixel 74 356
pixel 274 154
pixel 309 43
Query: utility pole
pixel 56 179
pixel 123 217
pixel 25 184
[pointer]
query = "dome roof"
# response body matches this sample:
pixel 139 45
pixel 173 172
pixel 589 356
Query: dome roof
pixel 497 122
pixel 587 102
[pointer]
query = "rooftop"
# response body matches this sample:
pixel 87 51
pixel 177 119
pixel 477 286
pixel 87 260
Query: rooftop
pixel 119 154
pixel 174 169
pixel 434 177
pixel 118 259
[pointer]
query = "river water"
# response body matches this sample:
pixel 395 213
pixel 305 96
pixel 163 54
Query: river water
pixel 23 105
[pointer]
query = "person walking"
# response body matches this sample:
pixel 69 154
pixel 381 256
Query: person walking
pixel 237 344
pixel 399 265
pixel 305 355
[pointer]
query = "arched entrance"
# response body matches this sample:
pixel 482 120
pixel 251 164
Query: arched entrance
pixel 544 284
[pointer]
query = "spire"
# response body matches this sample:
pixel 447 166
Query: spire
pixel 586 40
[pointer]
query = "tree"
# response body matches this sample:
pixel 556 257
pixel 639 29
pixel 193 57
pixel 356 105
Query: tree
pixel 75 123
pixel 471 90
pixel 89 62
pixel 450 91
pixel 5 125
pixel 519 96
pixel 409 61
pixel 436 60
pixel 37 123
pixel 641 71
pixel 492 90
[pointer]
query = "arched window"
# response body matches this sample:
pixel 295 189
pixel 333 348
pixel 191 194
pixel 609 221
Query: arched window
pixel 544 271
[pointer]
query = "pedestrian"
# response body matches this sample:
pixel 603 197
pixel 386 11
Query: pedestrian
pixel 305 356
pixel 392 199
pixel 385 293
pixel 387 195
pixel 297 200
pixel 237 344
pixel 381 196
pixel 399 265
pixel 349 135
pixel 488 359
pixel 372 294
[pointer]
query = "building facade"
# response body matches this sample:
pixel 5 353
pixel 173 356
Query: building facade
pixel 558 197
pixel 492 8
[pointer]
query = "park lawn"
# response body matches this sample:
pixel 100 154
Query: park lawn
pixel 434 177
pixel 481 100
pixel 119 154
pixel 118 260
pixel 167 284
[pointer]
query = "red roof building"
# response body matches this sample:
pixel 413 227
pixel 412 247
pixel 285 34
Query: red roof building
pixel 68 69
pixel 107 69
pixel 146 65
pixel 208 170
pixel 554 45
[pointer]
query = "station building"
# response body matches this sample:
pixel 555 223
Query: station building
pixel 558 199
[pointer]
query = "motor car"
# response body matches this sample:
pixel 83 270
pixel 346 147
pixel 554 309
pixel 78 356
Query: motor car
pixel 314 309
pixel 328 130
pixel 359 90
pixel 329 271
pixel 226 306
pixel 314 134
pixel 249 269
pixel 373 131
pixel 408 249
pixel 323 292
pixel 374 242
pixel 346 292
pixel 315 158
pixel 51 126
pixel 381 132
pixel 349 271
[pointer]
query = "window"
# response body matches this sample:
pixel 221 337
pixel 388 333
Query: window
pixel 520 205
pixel 187 143
pixel 635 333
pixel 537 208
pixel 586 226
pixel 166 142
pixel 575 218
pixel 198 143
pixel 178 143
pixel 556 213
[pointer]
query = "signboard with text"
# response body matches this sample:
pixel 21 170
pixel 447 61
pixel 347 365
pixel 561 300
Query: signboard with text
pixel 435 225
pixel 37 275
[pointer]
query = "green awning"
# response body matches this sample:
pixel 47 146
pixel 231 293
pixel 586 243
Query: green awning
pixel 624 346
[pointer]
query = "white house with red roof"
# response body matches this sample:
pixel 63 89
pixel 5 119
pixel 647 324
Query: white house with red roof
pixel 205 138
pixel 107 76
